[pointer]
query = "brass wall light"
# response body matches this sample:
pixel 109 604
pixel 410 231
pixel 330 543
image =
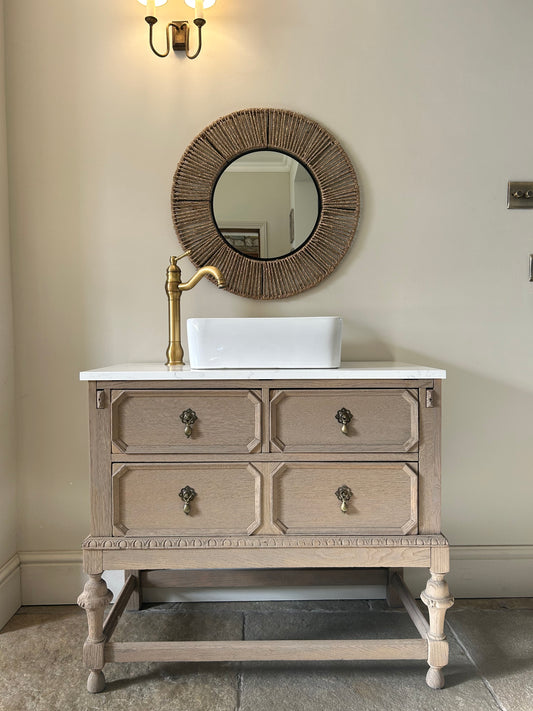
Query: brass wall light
pixel 179 28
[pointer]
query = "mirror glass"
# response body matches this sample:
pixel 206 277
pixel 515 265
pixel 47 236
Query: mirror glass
pixel 266 204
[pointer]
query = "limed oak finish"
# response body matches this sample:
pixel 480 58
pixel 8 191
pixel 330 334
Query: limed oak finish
pixel 213 476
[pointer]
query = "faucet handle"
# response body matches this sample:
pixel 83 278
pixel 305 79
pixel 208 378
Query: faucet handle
pixel 185 254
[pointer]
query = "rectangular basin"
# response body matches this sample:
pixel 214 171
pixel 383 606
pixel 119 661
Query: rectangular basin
pixel 291 342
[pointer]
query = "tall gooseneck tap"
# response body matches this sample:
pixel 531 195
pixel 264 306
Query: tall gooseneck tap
pixel 174 286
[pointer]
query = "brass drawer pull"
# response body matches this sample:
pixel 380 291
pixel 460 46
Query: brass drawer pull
pixel 344 416
pixel 188 417
pixel 187 494
pixel 344 494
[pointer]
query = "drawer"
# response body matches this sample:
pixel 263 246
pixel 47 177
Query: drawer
pixel 146 499
pixel 150 421
pixel 383 498
pixel 382 420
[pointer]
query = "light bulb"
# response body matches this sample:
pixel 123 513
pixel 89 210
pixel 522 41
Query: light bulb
pixel 150 4
pixel 206 3
pixel 199 7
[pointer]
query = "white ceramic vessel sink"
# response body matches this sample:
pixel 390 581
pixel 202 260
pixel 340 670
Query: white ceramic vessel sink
pixel 292 342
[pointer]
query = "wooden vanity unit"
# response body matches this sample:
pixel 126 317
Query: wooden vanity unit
pixel 264 470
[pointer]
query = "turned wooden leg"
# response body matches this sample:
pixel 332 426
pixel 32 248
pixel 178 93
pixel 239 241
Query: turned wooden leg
pixel 438 599
pixel 93 600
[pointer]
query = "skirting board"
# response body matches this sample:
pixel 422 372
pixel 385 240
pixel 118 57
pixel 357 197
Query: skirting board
pixel 10 599
pixel 56 578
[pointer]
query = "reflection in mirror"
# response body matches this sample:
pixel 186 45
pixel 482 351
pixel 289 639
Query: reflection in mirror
pixel 266 204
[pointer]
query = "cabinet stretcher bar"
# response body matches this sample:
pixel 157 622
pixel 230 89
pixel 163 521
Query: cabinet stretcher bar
pixel 266 650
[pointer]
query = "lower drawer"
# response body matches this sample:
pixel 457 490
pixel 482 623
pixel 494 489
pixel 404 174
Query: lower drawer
pixel 146 499
pixel 379 498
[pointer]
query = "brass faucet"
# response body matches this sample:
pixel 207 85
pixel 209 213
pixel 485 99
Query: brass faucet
pixel 174 286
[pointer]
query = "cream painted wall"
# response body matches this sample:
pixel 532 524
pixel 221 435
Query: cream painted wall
pixel 8 527
pixel 432 104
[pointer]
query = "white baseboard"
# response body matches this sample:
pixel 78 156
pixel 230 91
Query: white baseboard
pixel 10 598
pixel 56 578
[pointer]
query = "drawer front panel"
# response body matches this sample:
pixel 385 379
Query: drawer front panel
pixel 379 420
pixel 383 498
pixel 150 421
pixel 146 499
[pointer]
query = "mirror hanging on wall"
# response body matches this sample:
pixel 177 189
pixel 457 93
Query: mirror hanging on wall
pixel 220 197
pixel 266 204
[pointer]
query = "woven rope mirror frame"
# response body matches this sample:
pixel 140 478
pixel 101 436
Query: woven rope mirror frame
pixel 266 129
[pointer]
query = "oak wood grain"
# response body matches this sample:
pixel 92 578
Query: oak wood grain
pixel 280 577
pixel 100 465
pixel 383 500
pixel 429 486
pixel 273 650
pixel 265 459
pixel 383 420
pixel 148 421
pixel 276 384
pixel 204 558
pixel 146 499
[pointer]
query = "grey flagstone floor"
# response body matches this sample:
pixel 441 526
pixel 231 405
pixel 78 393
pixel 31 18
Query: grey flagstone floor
pixel 491 660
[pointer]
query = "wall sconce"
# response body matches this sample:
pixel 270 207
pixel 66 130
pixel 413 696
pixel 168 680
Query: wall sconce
pixel 180 28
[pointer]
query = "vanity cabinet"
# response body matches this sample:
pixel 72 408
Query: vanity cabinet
pixel 209 470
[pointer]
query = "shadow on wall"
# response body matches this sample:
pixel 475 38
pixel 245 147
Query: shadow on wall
pixel 368 346
pixel 487 450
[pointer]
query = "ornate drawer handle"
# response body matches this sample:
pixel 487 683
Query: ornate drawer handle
pixel 188 417
pixel 344 494
pixel 344 416
pixel 187 494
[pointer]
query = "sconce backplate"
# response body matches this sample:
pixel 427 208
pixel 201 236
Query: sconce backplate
pixel 180 35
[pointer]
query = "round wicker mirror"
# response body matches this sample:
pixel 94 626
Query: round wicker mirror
pixel 243 132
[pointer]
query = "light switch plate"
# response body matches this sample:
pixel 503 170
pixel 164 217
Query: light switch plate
pixel 519 194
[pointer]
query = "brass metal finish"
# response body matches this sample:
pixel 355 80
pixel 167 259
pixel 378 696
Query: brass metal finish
pixel 180 36
pixel 344 494
pixel 344 417
pixel 173 287
pixel 187 494
pixel 519 194
pixel 188 417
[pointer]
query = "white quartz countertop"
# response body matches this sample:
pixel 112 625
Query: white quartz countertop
pixel 372 370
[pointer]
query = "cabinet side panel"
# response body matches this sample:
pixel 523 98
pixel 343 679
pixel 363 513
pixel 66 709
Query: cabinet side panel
pixel 429 473
pixel 100 458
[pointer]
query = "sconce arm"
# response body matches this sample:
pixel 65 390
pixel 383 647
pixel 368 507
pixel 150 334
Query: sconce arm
pixel 199 22
pixel 151 22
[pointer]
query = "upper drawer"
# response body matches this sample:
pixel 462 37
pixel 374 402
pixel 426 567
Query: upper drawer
pixel 155 421
pixel 379 420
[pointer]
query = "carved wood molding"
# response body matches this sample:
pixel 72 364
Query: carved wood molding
pixel 266 129
pixel 214 542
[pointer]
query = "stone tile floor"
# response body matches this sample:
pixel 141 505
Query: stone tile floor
pixel 491 660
